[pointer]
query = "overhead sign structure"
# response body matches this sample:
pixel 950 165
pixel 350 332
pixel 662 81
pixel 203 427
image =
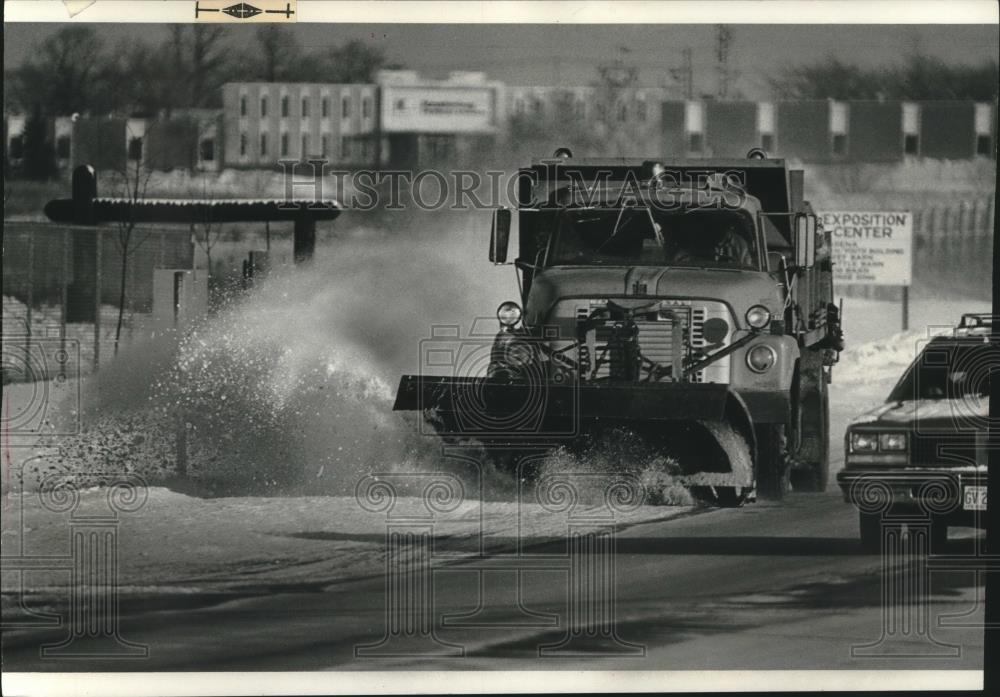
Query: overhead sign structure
pixel 872 248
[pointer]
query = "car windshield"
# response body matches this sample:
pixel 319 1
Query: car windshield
pixel 642 236
pixel 949 371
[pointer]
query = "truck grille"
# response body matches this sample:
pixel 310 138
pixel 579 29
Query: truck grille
pixel 656 340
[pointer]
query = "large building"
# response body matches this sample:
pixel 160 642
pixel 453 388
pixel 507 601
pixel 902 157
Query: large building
pixel 404 120
pixel 263 123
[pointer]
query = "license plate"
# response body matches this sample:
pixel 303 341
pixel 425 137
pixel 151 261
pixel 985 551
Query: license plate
pixel 974 498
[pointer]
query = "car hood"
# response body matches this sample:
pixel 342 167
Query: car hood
pixel 740 289
pixel 932 414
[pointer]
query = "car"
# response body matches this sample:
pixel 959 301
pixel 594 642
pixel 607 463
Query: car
pixel 923 452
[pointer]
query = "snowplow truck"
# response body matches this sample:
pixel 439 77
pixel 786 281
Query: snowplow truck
pixel 688 302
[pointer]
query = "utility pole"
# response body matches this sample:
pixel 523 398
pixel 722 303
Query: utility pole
pixel 685 73
pixel 723 45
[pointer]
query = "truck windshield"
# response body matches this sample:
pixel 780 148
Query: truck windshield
pixel 948 371
pixel 642 236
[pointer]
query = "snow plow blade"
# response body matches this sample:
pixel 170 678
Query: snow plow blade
pixel 476 405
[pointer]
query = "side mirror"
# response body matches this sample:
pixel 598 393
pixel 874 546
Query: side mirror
pixel 500 235
pixel 805 240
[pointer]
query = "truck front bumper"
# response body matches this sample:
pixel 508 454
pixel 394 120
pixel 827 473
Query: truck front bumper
pixel 481 406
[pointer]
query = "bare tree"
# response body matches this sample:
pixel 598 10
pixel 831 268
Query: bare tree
pixel 205 229
pixel 208 63
pixel 61 74
pixel 132 184
pixel 276 55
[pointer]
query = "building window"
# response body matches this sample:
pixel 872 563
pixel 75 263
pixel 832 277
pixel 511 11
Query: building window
pixel 984 121
pixel 345 107
pixel 519 107
pixel 911 144
pixel 284 106
pixel 640 110
pixel 537 107
pixel 263 107
pixel 765 120
pixel 622 112
pixel 16 146
pixel 366 107
pixel 345 148
pixel 839 144
pixel 135 149
pixel 400 105
pixel 305 107
pixel 305 145
pixel 694 142
pixel 62 147
pixel 207 150
pixel 839 127
pixel 767 142
pixel 694 117
pixel 284 144
pixel 263 145
pixel 243 105
pixel 325 107
pixel 911 119
pixel 324 145
pixel 243 144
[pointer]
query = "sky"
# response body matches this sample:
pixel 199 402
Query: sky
pixel 569 54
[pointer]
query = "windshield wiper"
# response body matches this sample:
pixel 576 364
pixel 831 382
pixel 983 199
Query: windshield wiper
pixel 614 231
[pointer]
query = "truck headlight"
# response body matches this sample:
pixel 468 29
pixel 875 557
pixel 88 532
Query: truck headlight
pixel 864 442
pixel 891 442
pixel 758 316
pixel 509 314
pixel 761 358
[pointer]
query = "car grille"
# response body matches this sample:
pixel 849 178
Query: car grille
pixel 958 449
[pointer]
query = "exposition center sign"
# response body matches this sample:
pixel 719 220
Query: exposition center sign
pixel 871 248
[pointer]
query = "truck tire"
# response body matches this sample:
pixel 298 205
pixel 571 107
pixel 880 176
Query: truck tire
pixel 870 530
pixel 813 456
pixel 772 467
pixel 737 451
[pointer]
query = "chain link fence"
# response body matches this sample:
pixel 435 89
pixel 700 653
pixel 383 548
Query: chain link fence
pixel 62 288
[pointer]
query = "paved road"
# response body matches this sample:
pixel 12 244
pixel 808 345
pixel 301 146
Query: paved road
pixel 765 586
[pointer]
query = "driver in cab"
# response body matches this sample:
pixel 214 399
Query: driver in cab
pixel 725 245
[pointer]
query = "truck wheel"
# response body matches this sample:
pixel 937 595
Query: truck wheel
pixel 870 528
pixel 813 455
pixel 725 448
pixel 772 466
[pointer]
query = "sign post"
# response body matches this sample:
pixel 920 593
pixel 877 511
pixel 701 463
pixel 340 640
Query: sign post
pixel 873 248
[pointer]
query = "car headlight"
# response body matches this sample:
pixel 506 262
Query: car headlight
pixel 891 442
pixel 509 314
pixel 864 442
pixel 758 316
pixel 761 358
